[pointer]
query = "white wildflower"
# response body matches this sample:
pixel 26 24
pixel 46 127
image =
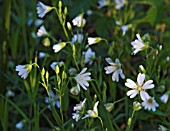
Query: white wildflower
pixel 42 9
pixel 119 4
pixel 77 38
pixel 23 70
pixel 114 68
pixel 164 98
pixel 102 3
pixel 79 21
pixel 9 93
pixel 59 46
pixel 42 55
pixel 76 116
pixel 54 99
pixel 139 87
pixel 89 56
pixel 162 128
pixel 79 106
pixel 42 31
pixel 92 113
pixel 150 103
pixel 124 29
pixel 93 40
pixel 20 124
pixel 82 79
pixel 138 45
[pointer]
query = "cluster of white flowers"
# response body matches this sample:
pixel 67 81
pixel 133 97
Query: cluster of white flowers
pixel 140 88
pixel 78 108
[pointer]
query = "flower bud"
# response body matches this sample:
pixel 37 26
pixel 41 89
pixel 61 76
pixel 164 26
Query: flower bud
pixel 142 69
pixel 109 106
pixel 129 121
pixel 57 70
pixel 74 90
pixel 136 106
pixel 69 26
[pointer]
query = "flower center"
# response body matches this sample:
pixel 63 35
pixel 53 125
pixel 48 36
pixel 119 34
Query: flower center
pixel 139 88
pixel 150 101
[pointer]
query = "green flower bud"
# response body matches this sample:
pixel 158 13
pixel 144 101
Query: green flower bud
pixel 109 106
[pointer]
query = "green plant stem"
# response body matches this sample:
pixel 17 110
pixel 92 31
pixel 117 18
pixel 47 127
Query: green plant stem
pixel 100 121
pixel 3 46
pixel 62 22
pixel 61 111
pixel 129 127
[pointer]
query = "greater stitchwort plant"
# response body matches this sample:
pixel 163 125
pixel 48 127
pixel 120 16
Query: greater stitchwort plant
pixel 71 65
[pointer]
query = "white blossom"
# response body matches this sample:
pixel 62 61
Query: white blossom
pixel 59 46
pixel 9 93
pixel 54 99
pixel 124 29
pixel 79 21
pixel 93 40
pixel 42 9
pixel 80 105
pixel 164 98
pixel 82 79
pixel 77 38
pixel 76 116
pixel 92 113
pixel 89 56
pixel 42 31
pixel 150 103
pixel 139 87
pixel 114 68
pixel 119 4
pixel 162 128
pixel 20 124
pixel 23 70
pixel 138 45
pixel 102 3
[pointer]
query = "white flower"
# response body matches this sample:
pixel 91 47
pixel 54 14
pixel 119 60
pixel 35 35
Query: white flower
pixel 76 116
pixel 82 79
pixel 20 124
pixel 79 106
pixel 42 55
pixel 164 98
pixel 167 58
pixel 42 9
pixel 94 40
pixel 162 128
pixel 59 46
pixel 89 56
pixel 9 93
pixel 38 22
pixel 77 38
pixel 92 113
pixel 114 68
pixel 54 99
pixel 138 45
pixel 23 70
pixel 79 21
pixel 119 4
pixel 124 29
pixel 150 103
pixel 139 87
pixel 42 31
pixel 54 64
pixel 102 3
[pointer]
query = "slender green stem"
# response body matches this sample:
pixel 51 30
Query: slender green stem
pixel 129 127
pixel 100 121
pixel 61 112
pixel 119 100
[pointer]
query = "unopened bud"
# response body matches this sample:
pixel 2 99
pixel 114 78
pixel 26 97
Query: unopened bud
pixel 74 90
pixel 69 26
pixel 109 106
pixel 57 70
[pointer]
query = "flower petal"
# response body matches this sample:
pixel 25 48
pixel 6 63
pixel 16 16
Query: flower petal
pixel 144 95
pixel 140 79
pixel 130 83
pixel 148 85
